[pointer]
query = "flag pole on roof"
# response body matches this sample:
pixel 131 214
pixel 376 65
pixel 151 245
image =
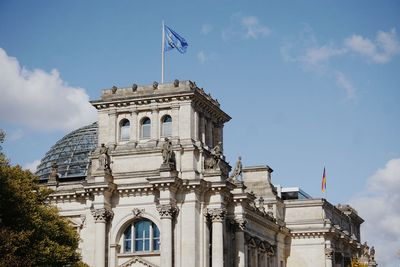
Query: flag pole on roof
pixel 170 40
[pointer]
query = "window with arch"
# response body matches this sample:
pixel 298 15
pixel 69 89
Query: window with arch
pixel 124 130
pixel 141 236
pixel 166 126
pixel 146 128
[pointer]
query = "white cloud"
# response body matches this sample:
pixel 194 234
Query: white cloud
pixel 245 27
pixel 344 83
pixel 379 205
pixel 201 56
pixel 385 47
pixel 32 165
pixel 254 29
pixel 206 29
pixel 39 99
pixel 318 55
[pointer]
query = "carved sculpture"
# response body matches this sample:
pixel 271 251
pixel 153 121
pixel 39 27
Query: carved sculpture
pixel 237 171
pixel 166 151
pixel 104 158
pixel 155 85
pixel 176 83
pixel 102 215
pixel 53 177
pixel 114 89
pixel 167 211
pixel 134 87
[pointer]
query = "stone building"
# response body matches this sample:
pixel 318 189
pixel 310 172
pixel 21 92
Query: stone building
pixel 148 185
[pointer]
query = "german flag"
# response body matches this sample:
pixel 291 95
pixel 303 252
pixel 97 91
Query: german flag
pixel 323 184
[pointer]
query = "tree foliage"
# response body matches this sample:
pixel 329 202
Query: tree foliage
pixel 31 232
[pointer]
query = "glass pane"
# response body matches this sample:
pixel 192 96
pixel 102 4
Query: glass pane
pixel 128 233
pixel 139 245
pixel 128 246
pixel 156 244
pixel 146 131
pixel 142 229
pixel 166 129
pixel 156 232
pixel 125 132
pixel 147 245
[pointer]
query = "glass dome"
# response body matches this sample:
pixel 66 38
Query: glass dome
pixel 71 153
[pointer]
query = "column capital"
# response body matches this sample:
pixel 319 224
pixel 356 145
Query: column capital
pixel 329 253
pixel 217 214
pixel 240 224
pixel 102 215
pixel 167 211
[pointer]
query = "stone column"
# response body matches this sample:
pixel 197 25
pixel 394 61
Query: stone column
pixel 101 216
pixel 166 213
pixel 175 121
pixel 217 218
pixel 134 126
pixel 112 126
pixel 155 124
pixel 241 247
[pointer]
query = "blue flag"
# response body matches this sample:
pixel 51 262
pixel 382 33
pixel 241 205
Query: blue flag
pixel 173 40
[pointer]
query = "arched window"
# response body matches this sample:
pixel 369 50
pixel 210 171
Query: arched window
pixel 125 128
pixel 166 126
pixel 141 235
pixel 146 128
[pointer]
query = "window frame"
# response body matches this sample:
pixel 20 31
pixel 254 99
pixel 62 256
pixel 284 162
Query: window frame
pixel 164 123
pixel 126 128
pixel 152 238
pixel 142 125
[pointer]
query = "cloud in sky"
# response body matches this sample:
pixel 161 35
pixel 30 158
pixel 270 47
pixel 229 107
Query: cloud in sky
pixel 378 204
pixel 245 27
pixel 32 166
pixel 343 82
pixel 385 47
pixel 40 99
pixel 203 57
pixel 206 29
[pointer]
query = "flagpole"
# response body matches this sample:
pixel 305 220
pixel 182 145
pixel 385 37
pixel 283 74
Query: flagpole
pixel 162 53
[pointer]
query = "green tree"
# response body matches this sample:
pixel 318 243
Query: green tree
pixel 31 231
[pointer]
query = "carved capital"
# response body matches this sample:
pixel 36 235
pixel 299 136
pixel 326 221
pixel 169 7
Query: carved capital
pixel 102 215
pixel 217 215
pixel 240 224
pixel 167 211
pixel 328 253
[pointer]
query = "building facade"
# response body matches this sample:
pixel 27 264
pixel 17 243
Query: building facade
pixel 148 185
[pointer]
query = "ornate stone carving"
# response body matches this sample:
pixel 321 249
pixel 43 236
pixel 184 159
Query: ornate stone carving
pixel 213 161
pixel 104 158
pixel 237 171
pixel 137 213
pixel 240 224
pixel 167 211
pixel 155 85
pixel 176 83
pixel 328 253
pixel 114 89
pixel 134 87
pixel 217 215
pixel 167 153
pixel 192 85
pixel 102 215
pixel 53 177
pixel 83 220
pixel 261 204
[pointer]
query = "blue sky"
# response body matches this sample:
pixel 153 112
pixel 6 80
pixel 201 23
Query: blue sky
pixel 308 83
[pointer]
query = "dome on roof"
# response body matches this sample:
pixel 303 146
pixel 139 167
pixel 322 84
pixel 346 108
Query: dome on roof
pixel 71 153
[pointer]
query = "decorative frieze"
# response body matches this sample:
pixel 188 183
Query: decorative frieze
pixel 137 213
pixel 102 215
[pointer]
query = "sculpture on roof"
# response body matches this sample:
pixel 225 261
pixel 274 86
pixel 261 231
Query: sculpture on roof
pixel 237 171
pixel 53 177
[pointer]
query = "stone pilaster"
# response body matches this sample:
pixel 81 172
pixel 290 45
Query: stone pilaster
pixel 101 217
pixel 167 212
pixel 217 217
pixel 241 247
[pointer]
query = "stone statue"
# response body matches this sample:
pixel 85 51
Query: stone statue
pixel 372 253
pixel 114 89
pixel 176 83
pixel 134 87
pixel 218 150
pixel 104 158
pixel 237 171
pixel 53 173
pixel 155 85
pixel 167 152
